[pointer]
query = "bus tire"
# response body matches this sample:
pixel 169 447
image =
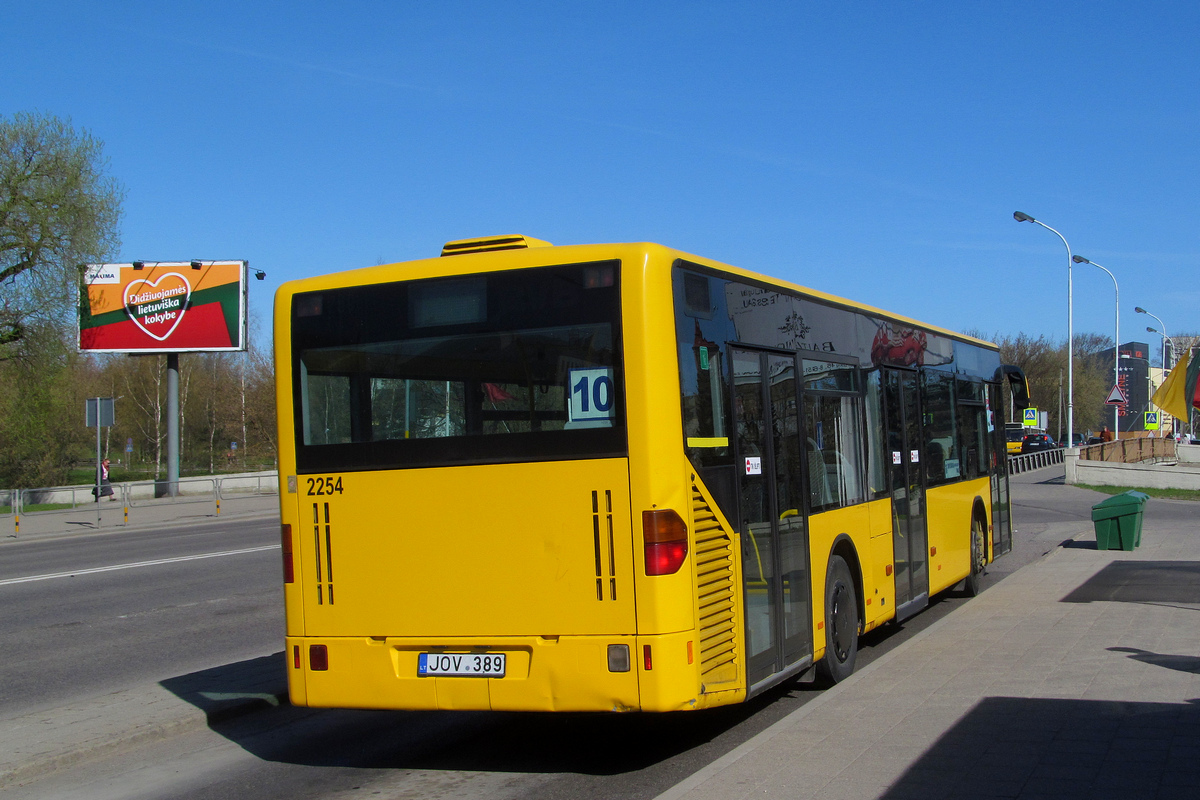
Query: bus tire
pixel 974 582
pixel 841 622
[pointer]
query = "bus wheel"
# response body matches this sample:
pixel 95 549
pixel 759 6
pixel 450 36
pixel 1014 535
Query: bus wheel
pixel 974 581
pixel 841 622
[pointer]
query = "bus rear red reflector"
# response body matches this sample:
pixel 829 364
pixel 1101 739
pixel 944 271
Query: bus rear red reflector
pixel 296 656
pixel 285 541
pixel 318 658
pixel 665 538
pixel 648 662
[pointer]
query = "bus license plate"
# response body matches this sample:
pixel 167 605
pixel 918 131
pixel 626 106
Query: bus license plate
pixel 464 665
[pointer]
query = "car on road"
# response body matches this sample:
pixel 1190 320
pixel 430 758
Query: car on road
pixel 1033 442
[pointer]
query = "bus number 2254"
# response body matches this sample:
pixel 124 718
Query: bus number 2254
pixel 324 486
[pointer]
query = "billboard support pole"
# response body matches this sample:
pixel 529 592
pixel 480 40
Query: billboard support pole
pixel 99 468
pixel 173 424
pixel 99 411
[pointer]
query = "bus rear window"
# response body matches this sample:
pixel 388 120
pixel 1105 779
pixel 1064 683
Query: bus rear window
pixel 511 366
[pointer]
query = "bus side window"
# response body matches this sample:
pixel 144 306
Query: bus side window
pixel 877 478
pixel 834 448
pixel 942 463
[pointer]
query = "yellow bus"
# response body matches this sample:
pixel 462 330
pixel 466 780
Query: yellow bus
pixel 1014 434
pixel 615 478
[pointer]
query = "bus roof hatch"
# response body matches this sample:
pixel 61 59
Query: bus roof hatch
pixel 486 243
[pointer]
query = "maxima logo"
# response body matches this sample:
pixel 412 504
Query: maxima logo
pixel 102 273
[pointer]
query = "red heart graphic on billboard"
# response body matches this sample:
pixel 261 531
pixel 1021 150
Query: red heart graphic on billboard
pixel 157 306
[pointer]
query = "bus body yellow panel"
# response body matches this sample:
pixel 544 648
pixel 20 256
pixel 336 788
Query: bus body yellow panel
pixel 467 551
pixel 950 508
pixel 664 603
pixel 879 587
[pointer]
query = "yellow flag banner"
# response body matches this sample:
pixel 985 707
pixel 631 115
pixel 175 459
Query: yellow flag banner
pixel 1179 389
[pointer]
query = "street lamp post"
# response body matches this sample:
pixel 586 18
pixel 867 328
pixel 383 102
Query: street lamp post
pixel 1116 342
pixel 1162 333
pixel 1021 217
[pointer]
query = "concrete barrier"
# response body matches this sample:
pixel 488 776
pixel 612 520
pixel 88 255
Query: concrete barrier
pixel 1161 475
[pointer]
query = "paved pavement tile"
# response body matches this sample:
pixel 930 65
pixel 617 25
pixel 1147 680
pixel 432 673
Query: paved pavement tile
pixel 1074 677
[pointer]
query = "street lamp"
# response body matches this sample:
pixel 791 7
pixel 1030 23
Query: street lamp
pixel 1021 217
pixel 1116 342
pixel 1162 333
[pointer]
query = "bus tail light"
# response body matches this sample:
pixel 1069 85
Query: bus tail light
pixel 665 538
pixel 318 658
pixel 285 542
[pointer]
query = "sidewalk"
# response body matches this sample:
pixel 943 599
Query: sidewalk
pixel 40 742
pixel 1077 676
pixel 146 514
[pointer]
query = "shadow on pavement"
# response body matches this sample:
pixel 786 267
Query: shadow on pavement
pixel 234 689
pixel 1141 582
pixel 1023 747
pixel 1178 663
pixel 595 744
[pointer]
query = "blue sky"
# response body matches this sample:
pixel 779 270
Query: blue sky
pixel 874 150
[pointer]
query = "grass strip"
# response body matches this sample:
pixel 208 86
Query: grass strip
pixel 1170 494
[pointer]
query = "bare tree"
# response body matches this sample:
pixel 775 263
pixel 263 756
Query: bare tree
pixel 58 210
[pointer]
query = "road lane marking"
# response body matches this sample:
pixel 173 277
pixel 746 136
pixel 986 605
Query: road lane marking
pixel 136 564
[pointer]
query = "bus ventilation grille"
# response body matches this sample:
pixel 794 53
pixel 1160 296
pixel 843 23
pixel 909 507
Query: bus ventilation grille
pixel 325 570
pixel 715 594
pixel 602 537
pixel 486 243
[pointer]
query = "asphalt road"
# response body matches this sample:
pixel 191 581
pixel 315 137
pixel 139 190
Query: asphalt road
pixel 186 615
pixel 91 623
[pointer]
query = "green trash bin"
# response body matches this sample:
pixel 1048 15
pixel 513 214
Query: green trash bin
pixel 1118 521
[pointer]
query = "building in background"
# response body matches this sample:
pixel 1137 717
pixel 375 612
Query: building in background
pixel 1135 382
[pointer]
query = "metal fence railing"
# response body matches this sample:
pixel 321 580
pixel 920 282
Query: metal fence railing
pixel 135 495
pixel 1031 461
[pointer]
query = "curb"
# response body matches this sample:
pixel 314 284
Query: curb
pixel 91 721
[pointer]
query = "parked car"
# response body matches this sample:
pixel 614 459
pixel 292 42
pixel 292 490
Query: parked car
pixel 1034 442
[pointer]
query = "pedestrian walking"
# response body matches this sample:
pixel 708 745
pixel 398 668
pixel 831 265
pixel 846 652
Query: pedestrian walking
pixel 105 489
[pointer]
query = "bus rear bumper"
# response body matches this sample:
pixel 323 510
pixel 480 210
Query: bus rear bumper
pixel 566 673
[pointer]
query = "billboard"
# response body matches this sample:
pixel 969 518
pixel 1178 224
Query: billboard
pixel 163 306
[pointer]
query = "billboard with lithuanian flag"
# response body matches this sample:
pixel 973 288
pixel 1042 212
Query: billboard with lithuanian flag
pixel 163 306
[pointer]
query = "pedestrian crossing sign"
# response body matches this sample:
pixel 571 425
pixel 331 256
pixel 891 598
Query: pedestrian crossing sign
pixel 1151 420
pixel 1031 418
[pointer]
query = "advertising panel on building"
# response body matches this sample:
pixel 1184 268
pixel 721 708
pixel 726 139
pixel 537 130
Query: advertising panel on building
pixel 163 306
